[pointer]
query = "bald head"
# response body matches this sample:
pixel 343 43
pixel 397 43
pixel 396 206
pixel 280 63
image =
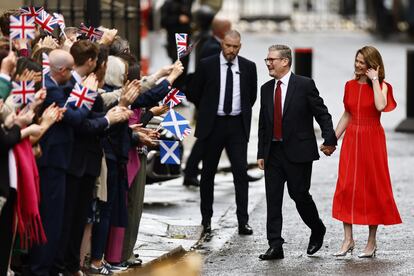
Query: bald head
pixel 59 59
pixel 61 65
pixel 220 26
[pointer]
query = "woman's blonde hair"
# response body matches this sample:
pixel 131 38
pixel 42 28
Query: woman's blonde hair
pixel 373 59
pixel 116 70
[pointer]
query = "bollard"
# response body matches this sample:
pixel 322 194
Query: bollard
pixel 303 62
pixel 407 125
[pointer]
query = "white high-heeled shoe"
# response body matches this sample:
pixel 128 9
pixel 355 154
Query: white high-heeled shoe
pixel 368 255
pixel 343 253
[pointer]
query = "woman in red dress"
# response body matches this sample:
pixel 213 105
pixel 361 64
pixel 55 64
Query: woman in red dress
pixel 363 192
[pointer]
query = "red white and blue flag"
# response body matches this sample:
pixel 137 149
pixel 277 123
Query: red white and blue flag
pixel 174 97
pixel 46 21
pixel 92 33
pixel 176 124
pixel 181 41
pixel 22 27
pixel 31 11
pixel 60 21
pixel 170 152
pixel 23 92
pixel 45 64
pixel 81 97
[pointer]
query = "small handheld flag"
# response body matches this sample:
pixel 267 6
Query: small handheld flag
pixel 176 124
pixel 81 97
pixel 170 152
pixel 23 92
pixel 22 27
pixel 174 97
pixel 92 33
pixel 181 41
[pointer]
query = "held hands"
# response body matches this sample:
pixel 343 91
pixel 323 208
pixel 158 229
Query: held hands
pixel 372 74
pixel 29 75
pixel 327 150
pixel 91 82
pixel 118 114
pixel 164 71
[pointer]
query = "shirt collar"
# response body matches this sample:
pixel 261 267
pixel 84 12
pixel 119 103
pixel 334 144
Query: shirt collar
pixel 77 77
pixel 235 61
pixel 285 78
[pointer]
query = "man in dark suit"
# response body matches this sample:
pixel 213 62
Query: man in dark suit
pixel 224 90
pixel 287 146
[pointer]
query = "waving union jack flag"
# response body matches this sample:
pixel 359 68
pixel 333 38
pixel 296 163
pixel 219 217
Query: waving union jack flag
pixel 22 27
pixel 46 21
pixel 81 97
pixel 31 11
pixel 23 92
pixel 174 97
pixel 92 33
pixel 45 63
pixel 181 40
pixel 60 20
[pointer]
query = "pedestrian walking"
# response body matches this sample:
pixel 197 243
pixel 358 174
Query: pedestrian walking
pixel 287 146
pixel 363 191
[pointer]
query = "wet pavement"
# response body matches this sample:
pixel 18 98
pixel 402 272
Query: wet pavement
pixel 171 216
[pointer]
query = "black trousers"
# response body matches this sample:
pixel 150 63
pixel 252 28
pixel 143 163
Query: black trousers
pixel 6 231
pixel 278 170
pixel 52 202
pixel 78 198
pixel 228 133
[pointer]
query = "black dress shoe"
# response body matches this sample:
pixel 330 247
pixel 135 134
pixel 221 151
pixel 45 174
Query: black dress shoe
pixel 252 178
pixel 206 227
pixel 273 253
pixel 245 229
pixel 316 241
pixel 191 181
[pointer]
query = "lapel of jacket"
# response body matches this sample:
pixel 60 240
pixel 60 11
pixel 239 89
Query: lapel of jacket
pixel 289 93
pixel 269 99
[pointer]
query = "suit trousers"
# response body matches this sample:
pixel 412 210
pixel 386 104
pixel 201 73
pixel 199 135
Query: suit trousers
pixel 52 201
pixel 278 170
pixel 228 133
pixel 78 199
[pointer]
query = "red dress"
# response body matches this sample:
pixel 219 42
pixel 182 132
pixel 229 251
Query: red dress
pixel 363 192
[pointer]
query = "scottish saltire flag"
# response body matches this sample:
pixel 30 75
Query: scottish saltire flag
pixel 181 41
pixel 92 33
pixel 81 97
pixel 31 11
pixel 23 92
pixel 22 27
pixel 170 152
pixel 174 97
pixel 60 21
pixel 46 21
pixel 45 64
pixel 176 124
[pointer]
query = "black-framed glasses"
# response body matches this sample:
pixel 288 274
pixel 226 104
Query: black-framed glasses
pixel 270 60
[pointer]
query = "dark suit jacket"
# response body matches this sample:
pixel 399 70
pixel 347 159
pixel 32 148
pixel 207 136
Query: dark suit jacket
pixel 57 143
pixel 204 92
pixel 211 47
pixel 301 105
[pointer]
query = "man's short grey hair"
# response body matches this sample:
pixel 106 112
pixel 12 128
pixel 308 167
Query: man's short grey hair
pixel 285 51
pixel 233 34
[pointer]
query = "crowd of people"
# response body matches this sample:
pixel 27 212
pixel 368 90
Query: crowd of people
pixel 64 168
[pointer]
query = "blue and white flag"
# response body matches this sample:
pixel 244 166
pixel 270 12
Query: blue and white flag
pixel 170 152
pixel 176 124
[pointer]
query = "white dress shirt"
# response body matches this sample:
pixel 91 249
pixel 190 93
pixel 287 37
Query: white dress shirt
pixel 284 87
pixel 236 103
